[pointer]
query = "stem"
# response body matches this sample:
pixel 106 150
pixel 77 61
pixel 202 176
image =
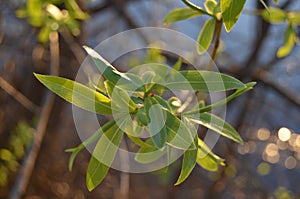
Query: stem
pixel 195 7
pixel 237 93
pixel 217 43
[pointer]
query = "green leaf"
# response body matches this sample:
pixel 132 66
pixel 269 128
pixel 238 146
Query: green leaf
pixel 206 158
pixel 157 127
pixel 274 15
pixel 179 136
pixel 121 101
pixel 289 42
pixel 188 164
pixel 200 108
pixel 77 94
pixel 103 156
pixel 189 156
pixel 129 82
pixel 210 6
pixel 149 154
pixel 216 124
pixel 231 10
pixel 206 35
pixel 204 81
pixel 294 18
pixel 74 151
pixel 276 2
pixel 181 14
pixel 178 65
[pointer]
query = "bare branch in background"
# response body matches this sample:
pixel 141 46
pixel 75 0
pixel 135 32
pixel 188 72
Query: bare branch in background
pixel 18 96
pixel 31 156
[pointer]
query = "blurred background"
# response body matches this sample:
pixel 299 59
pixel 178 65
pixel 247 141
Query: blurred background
pixel 45 36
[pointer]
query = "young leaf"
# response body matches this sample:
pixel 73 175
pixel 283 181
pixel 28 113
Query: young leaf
pixel 206 158
pixel 218 125
pixel 231 10
pixel 77 94
pixel 274 15
pixel 181 14
pixel 289 41
pixel 206 35
pixel 210 6
pixel 204 81
pixel 121 101
pixel 103 156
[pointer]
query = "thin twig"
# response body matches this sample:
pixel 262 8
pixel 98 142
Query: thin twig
pixel 18 96
pixel 217 43
pixel 31 156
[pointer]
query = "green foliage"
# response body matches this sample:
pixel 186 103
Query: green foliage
pixel 136 96
pixel 231 10
pixel 279 16
pixel 206 35
pixel 49 17
pixel 10 156
pixel 180 14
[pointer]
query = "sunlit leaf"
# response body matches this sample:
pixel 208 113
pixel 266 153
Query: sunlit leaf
pixel 206 35
pixel 216 124
pixel 181 14
pixel 103 156
pixel 289 42
pixel 205 81
pixel 207 159
pixel 127 81
pixel 77 94
pixel 210 6
pixel 231 10
pixel 274 15
pixel 294 18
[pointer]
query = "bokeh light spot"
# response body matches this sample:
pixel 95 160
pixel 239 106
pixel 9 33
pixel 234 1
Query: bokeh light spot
pixel 284 134
pixel 263 134
pixel 290 162
pixel 263 169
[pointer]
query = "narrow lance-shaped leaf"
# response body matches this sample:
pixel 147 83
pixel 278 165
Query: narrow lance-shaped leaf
pixel 157 127
pixel 189 156
pixel 103 156
pixel 210 6
pixel 218 125
pixel 274 15
pixel 74 151
pixel 206 158
pixel 231 10
pixel 205 81
pixel 125 81
pixel 206 35
pixel 77 94
pixel 181 14
pixel 289 42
